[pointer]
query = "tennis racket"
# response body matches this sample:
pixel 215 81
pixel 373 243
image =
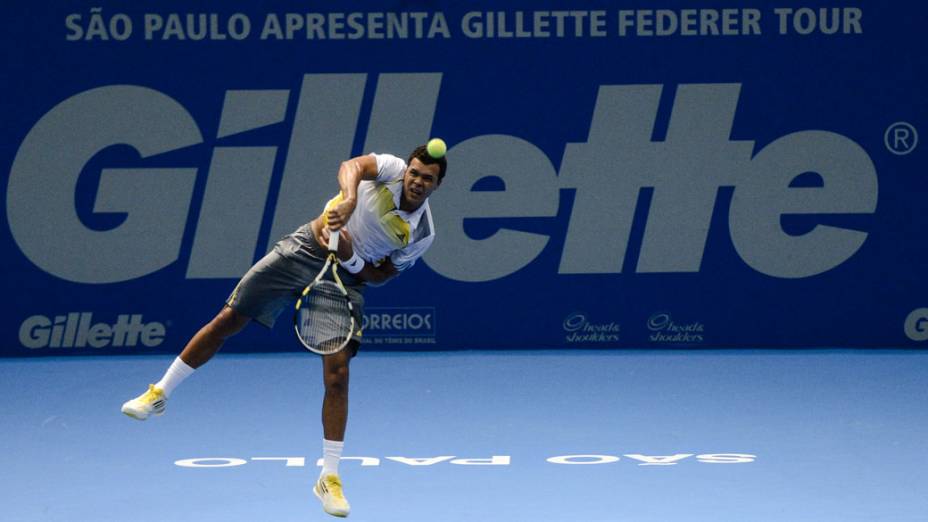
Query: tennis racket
pixel 324 317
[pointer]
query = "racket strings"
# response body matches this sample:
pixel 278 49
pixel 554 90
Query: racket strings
pixel 325 321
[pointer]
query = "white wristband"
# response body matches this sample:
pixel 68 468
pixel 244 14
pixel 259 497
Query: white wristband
pixel 353 265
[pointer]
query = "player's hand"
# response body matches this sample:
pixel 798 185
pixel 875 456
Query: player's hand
pixel 339 215
pixel 382 273
pixel 345 247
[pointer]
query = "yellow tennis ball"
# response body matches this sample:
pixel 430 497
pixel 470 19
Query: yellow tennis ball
pixel 436 148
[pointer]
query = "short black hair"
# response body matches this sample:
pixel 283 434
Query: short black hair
pixel 421 153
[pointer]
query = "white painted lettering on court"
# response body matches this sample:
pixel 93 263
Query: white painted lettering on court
pixel 494 460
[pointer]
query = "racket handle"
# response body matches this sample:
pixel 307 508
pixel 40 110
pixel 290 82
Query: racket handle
pixel 333 240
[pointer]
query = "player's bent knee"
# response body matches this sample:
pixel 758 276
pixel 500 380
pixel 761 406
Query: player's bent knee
pixel 227 323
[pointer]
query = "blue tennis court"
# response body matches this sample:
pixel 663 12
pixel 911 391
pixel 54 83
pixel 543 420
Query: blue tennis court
pixel 661 261
pixel 555 435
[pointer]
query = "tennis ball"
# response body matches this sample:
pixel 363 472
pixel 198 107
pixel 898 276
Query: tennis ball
pixel 436 148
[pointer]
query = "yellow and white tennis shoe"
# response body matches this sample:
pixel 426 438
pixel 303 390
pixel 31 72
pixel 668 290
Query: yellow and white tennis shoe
pixel 151 402
pixel 329 490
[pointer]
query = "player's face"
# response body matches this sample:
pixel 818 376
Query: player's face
pixel 419 181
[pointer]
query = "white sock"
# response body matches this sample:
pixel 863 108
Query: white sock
pixel 331 454
pixel 177 372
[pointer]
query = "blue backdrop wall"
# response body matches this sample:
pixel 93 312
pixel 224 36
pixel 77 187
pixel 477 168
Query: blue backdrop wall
pixel 622 174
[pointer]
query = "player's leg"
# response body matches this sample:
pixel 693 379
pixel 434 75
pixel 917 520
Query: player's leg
pixel 334 420
pixel 335 403
pixel 209 339
pixel 200 349
pixel 264 291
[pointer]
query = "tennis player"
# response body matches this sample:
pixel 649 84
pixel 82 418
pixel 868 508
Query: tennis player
pixel 382 214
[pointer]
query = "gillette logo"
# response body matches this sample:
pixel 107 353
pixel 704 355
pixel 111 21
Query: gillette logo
pixel 684 171
pixel 77 330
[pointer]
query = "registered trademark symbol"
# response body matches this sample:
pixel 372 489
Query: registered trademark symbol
pixel 901 138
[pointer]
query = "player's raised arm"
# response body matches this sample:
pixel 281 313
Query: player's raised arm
pixel 350 174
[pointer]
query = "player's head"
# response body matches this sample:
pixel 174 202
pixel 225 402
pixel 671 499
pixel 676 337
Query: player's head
pixel 422 154
pixel 423 175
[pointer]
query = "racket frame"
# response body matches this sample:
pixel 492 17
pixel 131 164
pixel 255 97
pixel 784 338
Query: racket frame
pixel 331 262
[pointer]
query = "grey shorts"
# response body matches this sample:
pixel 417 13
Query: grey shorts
pixel 275 282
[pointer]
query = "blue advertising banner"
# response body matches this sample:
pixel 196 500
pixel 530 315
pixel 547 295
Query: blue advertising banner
pixel 621 174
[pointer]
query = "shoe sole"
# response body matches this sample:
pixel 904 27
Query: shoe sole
pixel 316 492
pixel 134 415
pixel 139 415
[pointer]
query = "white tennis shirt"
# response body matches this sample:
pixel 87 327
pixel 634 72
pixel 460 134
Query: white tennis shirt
pixel 378 227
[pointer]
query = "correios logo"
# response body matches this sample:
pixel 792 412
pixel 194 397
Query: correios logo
pixel 685 170
pixel 77 330
pixel 399 321
pixel 399 325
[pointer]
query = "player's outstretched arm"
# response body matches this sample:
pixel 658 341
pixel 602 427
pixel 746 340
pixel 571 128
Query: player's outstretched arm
pixel 350 174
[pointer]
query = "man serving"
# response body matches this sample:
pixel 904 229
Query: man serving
pixel 383 218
